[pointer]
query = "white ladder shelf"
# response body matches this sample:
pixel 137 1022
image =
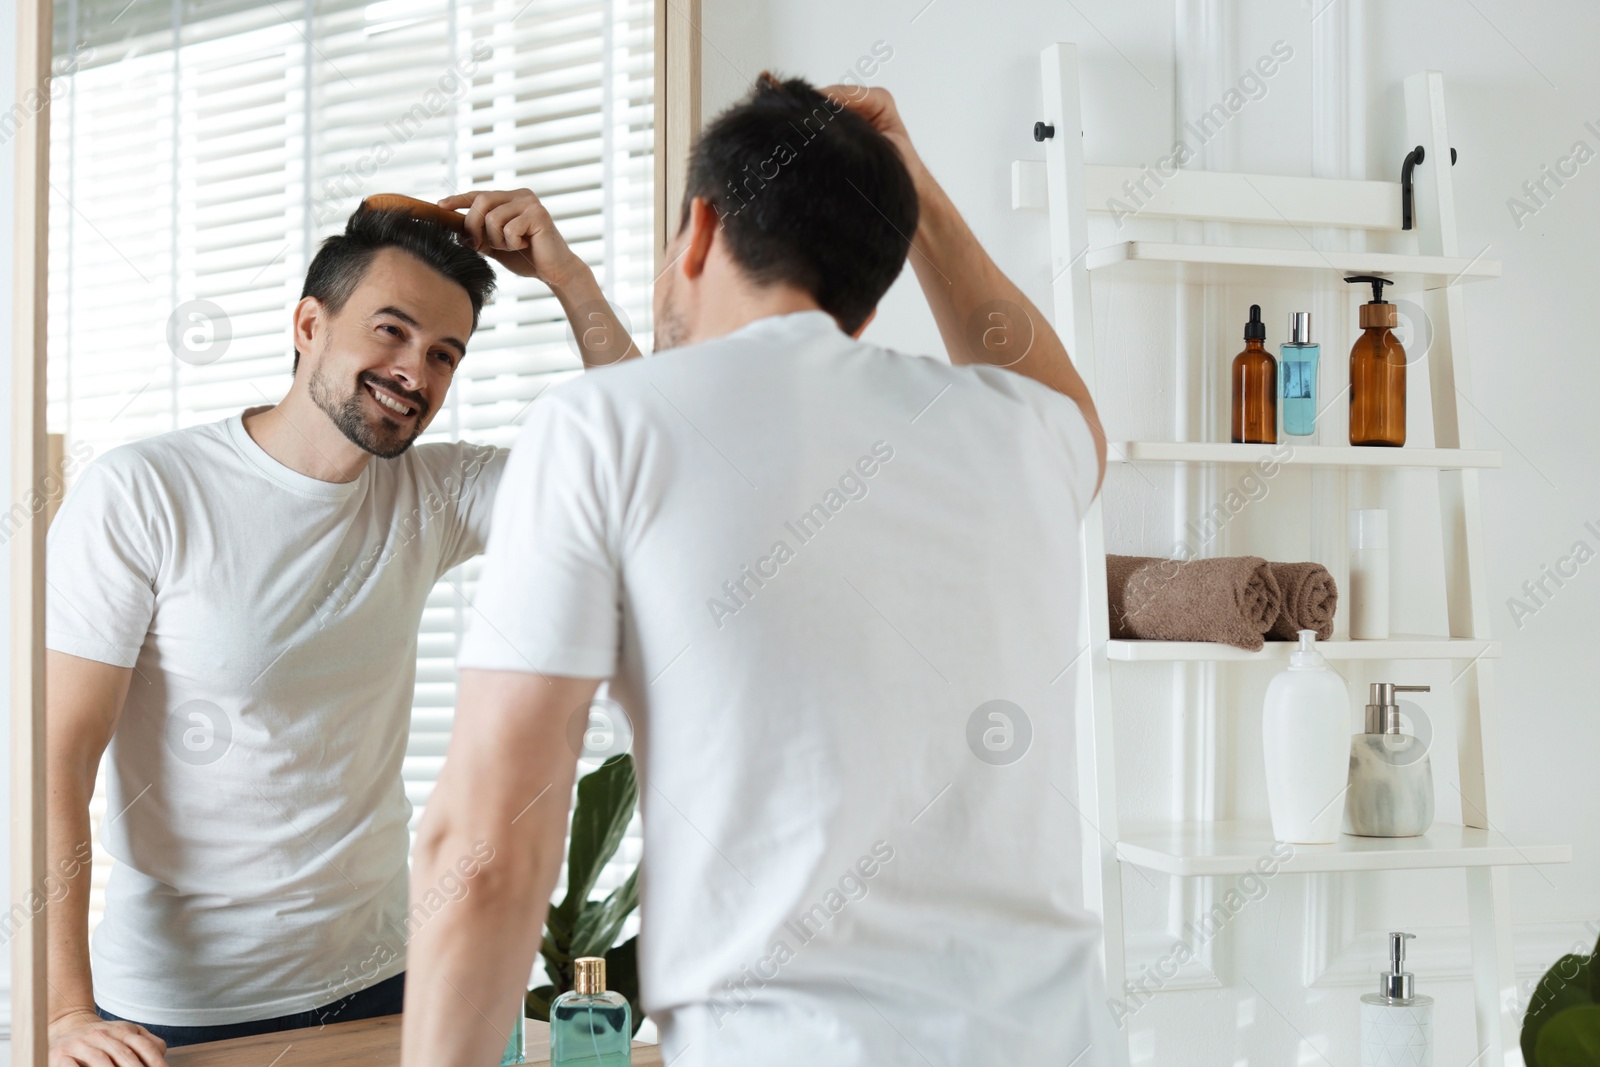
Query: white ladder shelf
pixel 1072 189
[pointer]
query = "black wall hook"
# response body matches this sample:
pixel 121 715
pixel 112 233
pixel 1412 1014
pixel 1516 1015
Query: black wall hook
pixel 1413 157
pixel 1042 132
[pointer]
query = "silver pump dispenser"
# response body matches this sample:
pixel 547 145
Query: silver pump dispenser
pixel 1383 714
pixel 1299 327
pixel 1396 983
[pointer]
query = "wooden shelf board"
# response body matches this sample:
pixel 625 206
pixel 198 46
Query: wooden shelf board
pixel 1398 646
pixel 1301 455
pixel 1231 848
pixel 1224 264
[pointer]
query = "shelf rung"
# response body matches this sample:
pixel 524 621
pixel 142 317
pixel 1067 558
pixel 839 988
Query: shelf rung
pixel 1224 848
pixel 1283 267
pixel 1300 455
pixel 1398 646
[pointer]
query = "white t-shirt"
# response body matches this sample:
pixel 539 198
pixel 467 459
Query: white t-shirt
pixel 255 808
pixel 809 565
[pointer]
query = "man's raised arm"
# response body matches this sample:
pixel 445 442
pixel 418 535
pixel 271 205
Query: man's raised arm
pixel 514 227
pixel 958 278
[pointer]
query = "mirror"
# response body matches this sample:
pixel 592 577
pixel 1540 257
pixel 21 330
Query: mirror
pixel 251 681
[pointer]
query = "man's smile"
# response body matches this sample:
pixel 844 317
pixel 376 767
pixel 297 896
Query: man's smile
pixel 390 401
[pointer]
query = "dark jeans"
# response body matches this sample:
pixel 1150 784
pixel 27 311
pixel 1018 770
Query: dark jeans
pixel 385 998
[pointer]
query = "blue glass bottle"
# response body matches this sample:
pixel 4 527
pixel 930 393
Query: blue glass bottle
pixel 1297 377
pixel 589 1026
pixel 514 1047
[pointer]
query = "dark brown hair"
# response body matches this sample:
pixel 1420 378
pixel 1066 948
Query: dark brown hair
pixel 808 194
pixel 343 259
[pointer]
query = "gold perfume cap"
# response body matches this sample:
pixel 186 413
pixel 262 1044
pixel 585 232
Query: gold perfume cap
pixel 589 975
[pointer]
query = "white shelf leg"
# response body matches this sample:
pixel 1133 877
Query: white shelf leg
pixel 1069 243
pixel 1460 505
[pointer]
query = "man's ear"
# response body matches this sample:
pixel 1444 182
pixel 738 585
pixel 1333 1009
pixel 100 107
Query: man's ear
pixel 863 327
pixel 307 320
pixel 703 226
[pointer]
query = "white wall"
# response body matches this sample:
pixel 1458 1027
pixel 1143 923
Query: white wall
pixel 1282 983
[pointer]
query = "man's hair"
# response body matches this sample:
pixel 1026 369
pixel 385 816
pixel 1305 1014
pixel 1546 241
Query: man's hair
pixel 808 194
pixel 343 259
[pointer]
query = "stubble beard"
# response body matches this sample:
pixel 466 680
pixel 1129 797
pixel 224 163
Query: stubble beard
pixel 383 437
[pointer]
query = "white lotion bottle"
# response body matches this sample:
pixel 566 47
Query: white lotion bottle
pixel 1305 735
pixel 1369 574
pixel 1397 1021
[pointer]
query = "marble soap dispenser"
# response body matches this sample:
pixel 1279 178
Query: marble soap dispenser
pixel 1391 778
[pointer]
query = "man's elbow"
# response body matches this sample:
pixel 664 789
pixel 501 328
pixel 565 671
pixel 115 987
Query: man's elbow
pixel 497 869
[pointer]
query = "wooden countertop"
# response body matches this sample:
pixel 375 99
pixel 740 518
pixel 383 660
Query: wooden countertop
pixel 363 1043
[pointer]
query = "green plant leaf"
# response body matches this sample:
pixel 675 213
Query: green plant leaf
pixel 1594 974
pixel 622 975
pixel 579 926
pixel 536 1003
pixel 1565 985
pixel 1571 1038
pixel 601 921
pixel 606 800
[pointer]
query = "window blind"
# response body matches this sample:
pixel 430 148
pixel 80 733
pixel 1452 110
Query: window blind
pixel 201 149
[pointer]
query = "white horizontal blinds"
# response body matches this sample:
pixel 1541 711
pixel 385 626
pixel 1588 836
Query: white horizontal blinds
pixel 524 61
pixel 561 101
pixel 110 253
pixel 381 122
pixel 176 157
pixel 236 171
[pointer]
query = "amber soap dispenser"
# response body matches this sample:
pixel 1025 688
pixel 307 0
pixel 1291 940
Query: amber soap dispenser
pixel 1377 373
pixel 1255 387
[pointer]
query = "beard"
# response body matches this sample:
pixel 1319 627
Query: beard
pixel 670 330
pixel 378 434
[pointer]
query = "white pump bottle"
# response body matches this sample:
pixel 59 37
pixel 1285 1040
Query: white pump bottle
pixel 1305 733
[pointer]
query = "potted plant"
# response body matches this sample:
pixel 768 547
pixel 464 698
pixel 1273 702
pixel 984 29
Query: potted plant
pixel 579 926
pixel 1562 1026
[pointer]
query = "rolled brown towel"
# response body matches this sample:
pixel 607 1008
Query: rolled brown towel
pixel 1233 600
pixel 1309 599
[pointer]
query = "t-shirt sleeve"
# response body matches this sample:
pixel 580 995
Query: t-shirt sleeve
pixel 100 569
pixel 1077 444
pixel 469 475
pixel 1066 431
pixel 548 597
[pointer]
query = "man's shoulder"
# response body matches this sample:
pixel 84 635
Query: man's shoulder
pixel 448 467
pixel 884 372
pixel 164 456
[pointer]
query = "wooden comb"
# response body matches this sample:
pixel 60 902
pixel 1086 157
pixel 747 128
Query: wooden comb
pixel 419 209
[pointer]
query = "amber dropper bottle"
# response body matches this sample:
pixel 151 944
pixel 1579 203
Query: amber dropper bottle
pixel 1377 373
pixel 1255 387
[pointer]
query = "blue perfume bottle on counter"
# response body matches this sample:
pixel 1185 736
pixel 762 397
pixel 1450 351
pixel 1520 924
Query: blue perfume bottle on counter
pixel 1297 374
pixel 589 1026
pixel 514 1046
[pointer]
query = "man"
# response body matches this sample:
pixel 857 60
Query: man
pixel 836 588
pixel 234 608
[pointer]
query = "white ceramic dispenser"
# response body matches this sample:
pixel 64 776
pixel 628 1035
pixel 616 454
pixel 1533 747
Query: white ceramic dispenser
pixel 1396 1021
pixel 1305 736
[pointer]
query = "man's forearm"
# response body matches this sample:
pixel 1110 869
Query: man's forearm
pixel 506 784
pixel 982 315
pixel 68 852
pixel 480 993
pixel 602 338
